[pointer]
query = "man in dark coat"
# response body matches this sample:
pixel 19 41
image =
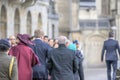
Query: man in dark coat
pixel 41 50
pixel 62 62
pixel 110 47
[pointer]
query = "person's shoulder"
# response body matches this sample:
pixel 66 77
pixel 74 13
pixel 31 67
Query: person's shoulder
pixel 71 51
pixel 8 57
pixel 53 50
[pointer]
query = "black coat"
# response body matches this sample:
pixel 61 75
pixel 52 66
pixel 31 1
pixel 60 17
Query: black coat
pixel 62 63
pixel 41 50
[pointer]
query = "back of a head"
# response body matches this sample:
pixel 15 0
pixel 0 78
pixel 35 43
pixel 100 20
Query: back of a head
pixel 4 45
pixel 61 39
pixel 38 33
pixel 111 34
pixel 75 42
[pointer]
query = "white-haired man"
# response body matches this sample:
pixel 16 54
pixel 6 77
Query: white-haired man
pixel 62 62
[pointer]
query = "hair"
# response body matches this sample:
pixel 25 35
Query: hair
pixel 45 36
pixel 111 34
pixel 62 40
pixel 32 37
pixel 3 48
pixel 38 33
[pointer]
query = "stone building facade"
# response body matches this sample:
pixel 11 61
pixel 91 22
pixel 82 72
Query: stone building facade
pixel 68 15
pixel 83 21
pixel 93 30
pixel 115 16
pixel 53 20
pixel 23 16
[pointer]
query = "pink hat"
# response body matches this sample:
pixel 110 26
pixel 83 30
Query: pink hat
pixel 25 38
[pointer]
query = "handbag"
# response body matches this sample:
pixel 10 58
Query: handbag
pixel 11 66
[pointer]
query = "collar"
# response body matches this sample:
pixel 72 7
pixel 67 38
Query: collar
pixel 112 38
pixel 62 46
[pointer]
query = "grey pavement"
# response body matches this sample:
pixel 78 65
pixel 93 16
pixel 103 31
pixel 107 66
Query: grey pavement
pixel 95 74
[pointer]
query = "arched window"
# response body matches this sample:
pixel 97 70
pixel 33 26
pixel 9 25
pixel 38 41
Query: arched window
pixel 39 21
pixel 53 31
pixel 3 23
pixel 17 22
pixel 29 30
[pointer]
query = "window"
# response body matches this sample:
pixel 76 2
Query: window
pixel 103 23
pixel 92 24
pixel 39 22
pixel 87 3
pixel 3 23
pixel 17 22
pixel 29 30
pixel 53 31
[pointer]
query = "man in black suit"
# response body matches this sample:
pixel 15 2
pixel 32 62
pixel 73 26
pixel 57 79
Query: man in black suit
pixel 62 62
pixel 110 47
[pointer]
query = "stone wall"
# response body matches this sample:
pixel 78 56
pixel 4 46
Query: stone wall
pixel 35 10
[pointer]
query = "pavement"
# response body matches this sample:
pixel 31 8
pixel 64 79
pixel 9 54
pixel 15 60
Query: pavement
pixel 95 74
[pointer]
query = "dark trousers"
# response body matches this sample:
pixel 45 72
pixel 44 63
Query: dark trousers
pixel 111 65
pixel 81 71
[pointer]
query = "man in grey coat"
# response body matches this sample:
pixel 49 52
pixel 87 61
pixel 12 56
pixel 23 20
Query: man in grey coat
pixel 110 47
pixel 62 62
pixel 7 72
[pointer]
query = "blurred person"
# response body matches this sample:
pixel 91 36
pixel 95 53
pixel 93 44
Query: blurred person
pixel 8 64
pixel 70 45
pixel 31 38
pixel 46 38
pixel 51 42
pixel 62 62
pixel 26 57
pixel 110 48
pixel 41 49
pixel 12 40
pixel 55 45
pixel 80 60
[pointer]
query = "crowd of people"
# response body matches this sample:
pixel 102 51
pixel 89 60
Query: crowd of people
pixel 25 57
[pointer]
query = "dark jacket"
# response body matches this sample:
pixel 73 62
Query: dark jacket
pixel 110 47
pixel 79 55
pixel 4 67
pixel 41 50
pixel 62 63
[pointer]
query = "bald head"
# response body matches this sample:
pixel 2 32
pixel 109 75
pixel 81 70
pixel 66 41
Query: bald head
pixel 61 39
pixel 12 40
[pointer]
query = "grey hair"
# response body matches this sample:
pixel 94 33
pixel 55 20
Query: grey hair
pixel 62 39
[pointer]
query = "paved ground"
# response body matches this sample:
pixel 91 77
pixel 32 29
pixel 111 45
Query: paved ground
pixel 95 74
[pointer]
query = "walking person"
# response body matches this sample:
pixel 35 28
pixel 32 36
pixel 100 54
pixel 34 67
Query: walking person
pixel 62 62
pixel 41 49
pixel 7 72
pixel 26 57
pixel 110 47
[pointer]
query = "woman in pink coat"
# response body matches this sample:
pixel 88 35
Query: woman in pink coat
pixel 25 57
